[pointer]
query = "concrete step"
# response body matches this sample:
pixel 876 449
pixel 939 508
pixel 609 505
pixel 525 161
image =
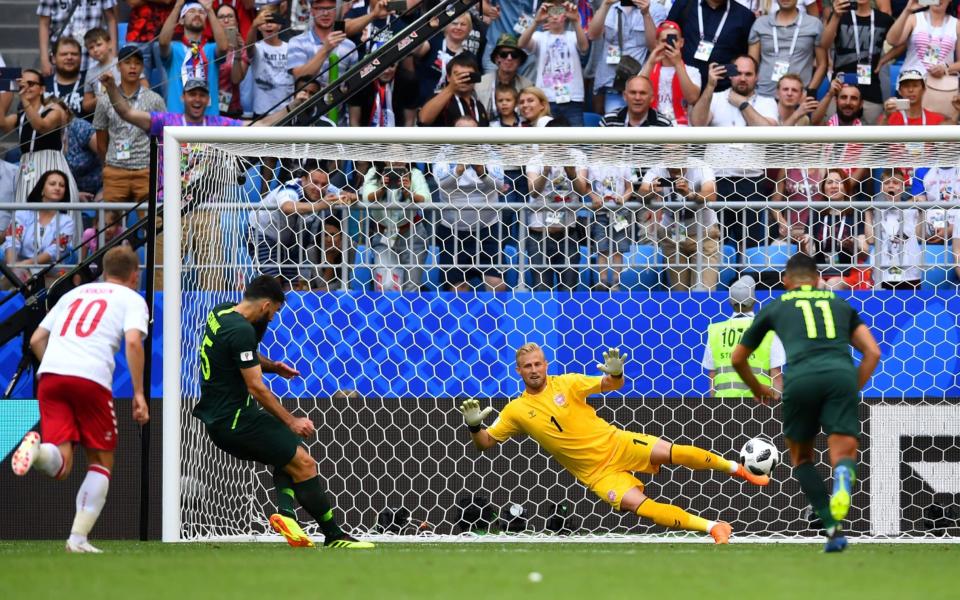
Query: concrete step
pixel 21 57
pixel 17 36
pixel 19 14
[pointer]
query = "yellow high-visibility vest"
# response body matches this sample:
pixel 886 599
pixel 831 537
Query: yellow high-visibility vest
pixel 722 338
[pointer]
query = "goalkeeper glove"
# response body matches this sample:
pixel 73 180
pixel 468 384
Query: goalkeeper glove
pixel 472 414
pixel 613 363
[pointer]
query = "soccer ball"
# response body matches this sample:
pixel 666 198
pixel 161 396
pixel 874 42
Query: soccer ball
pixel 759 456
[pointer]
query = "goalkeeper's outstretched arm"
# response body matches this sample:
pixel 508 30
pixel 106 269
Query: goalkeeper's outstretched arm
pixel 473 417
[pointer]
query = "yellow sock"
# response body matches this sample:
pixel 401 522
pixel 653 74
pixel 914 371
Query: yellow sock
pixel 697 458
pixel 672 516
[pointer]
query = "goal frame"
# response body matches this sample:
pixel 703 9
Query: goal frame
pixel 173 137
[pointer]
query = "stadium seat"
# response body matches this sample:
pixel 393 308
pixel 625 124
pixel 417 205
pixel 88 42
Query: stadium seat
pixel 728 274
pixel 362 274
pixel 589 275
pixel 251 185
pixel 511 276
pixel 431 272
pixel 768 258
pixel 935 258
pixel 641 272
pixel 591 119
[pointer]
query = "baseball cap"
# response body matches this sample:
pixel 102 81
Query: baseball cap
pixel 909 75
pixel 741 292
pixel 129 51
pixel 195 84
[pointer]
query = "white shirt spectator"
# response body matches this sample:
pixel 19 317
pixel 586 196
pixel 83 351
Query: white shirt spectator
pixel 558 66
pixel 468 188
pixel 273 83
pixel 624 24
pixel 86 328
pixel 703 216
pixel 270 222
pixel 896 249
pixel 724 114
pixel 29 239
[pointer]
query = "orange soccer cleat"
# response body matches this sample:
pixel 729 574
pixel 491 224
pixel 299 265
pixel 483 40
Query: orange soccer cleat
pixel 291 531
pixel 743 473
pixel 721 533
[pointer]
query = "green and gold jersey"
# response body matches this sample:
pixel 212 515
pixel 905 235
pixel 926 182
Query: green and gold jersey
pixel 814 326
pixel 229 345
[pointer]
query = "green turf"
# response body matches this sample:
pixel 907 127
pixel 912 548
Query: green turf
pixel 38 570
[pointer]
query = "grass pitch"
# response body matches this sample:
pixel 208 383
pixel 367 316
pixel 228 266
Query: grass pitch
pixel 461 571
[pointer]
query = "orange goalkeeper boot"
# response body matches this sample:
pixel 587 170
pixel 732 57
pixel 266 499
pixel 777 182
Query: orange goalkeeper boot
pixel 721 533
pixel 743 473
pixel 291 531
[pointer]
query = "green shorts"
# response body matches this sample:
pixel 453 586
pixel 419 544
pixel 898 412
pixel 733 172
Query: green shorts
pixel 828 399
pixel 258 436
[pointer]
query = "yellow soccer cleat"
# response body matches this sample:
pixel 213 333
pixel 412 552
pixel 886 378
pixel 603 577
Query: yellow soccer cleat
pixel 743 473
pixel 347 542
pixel 291 531
pixel 721 533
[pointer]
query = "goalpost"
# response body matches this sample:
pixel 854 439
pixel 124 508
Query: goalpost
pixel 383 370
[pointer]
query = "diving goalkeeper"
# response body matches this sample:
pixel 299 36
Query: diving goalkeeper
pixel 553 410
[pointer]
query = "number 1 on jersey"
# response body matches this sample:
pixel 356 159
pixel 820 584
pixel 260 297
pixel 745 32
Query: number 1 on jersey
pixel 829 327
pixel 557 423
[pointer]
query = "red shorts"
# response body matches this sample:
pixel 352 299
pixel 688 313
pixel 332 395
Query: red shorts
pixel 73 409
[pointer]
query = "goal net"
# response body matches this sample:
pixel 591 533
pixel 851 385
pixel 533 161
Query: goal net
pixel 419 260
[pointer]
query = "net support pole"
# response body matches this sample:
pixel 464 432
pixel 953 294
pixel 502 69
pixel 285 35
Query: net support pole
pixel 171 338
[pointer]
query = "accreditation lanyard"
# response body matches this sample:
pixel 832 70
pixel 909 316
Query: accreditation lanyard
pixel 856 36
pixel 793 43
pixel 463 111
pixel 906 120
pixel 723 20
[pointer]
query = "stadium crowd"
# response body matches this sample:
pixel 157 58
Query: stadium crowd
pixel 84 118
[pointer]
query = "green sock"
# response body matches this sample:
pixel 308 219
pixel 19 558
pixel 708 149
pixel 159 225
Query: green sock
pixel 851 466
pixel 816 491
pixel 283 484
pixel 311 496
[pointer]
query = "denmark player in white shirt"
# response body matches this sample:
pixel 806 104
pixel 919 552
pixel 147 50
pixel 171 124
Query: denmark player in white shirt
pixel 76 343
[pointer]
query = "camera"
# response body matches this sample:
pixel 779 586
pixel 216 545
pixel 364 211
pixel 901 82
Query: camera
pixel 393 178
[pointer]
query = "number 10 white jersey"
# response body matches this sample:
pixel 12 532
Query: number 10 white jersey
pixel 86 328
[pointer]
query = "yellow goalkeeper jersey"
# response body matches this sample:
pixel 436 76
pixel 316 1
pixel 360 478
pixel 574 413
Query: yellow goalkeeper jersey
pixel 562 422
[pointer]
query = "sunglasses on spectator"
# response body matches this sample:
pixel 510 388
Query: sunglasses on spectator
pixel 509 54
pixel 27 84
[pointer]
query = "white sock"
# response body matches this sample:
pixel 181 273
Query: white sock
pixel 90 500
pixel 49 461
pixel 710 525
pixel 734 465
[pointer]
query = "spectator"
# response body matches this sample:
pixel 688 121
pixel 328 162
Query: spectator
pixel 836 239
pixel 284 230
pixel 143 27
pixel 124 148
pixel 383 103
pixel 857 39
pixel 930 37
pixel 243 12
pixel 458 98
pixel 8 190
pixel 893 234
pixel 307 87
pixel 938 184
pixel 100 51
pixel 622 31
pixel 558 53
pixel 770 7
pixel 60 19
pixel 506 107
pixel 469 236
pixel 739 106
pixel 41 124
pixel 322 52
pixel 230 71
pixel 434 56
pixel 191 57
pixel 81 154
pixel 794 106
pixel 612 228
pixel 553 249
pixel 534 108
pixel 397 236
pixel 66 82
pixel 800 185
pixel 714 31
pixel 910 87
pixel 40 237
pixel 636 112
pixel 689 234
pixel 272 80
pixel 849 105
pixel 676 86
pixel 90 240
pixel 508 58
pixel 337 253
pixel 777 56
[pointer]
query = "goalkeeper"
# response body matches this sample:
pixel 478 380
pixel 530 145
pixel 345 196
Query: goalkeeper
pixel 245 419
pixel 553 410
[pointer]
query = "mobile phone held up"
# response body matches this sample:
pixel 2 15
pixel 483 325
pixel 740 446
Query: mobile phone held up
pixel 730 70
pixel 902 104
pixel 849 78
pixel 339 25
pixel 627 3
pixel 397 6
pixel 475 77
pixel 672 40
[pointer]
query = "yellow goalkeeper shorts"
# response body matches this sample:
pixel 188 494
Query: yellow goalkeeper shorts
pixel 632 455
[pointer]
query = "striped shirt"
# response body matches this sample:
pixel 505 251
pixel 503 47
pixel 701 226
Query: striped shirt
pixel 618 118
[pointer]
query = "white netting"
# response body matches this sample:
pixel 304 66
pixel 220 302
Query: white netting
pixel 620 247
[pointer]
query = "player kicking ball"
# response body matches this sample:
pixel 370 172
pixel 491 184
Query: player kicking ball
pixel 821 387
pixel 553 410
pixel 244 419
pixel 76 343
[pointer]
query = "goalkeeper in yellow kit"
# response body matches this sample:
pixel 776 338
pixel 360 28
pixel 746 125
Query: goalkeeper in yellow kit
pixel 553 410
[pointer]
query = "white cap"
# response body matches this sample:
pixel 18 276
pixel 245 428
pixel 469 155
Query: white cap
pixel 741 292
